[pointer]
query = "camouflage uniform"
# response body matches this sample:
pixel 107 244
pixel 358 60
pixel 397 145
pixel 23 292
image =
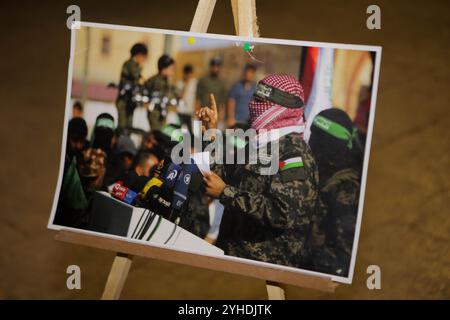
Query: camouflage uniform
pixel 131 73
pixel 208 85
pixel 160 86
pixel 335 228
pixel 267 217
pixel 195 218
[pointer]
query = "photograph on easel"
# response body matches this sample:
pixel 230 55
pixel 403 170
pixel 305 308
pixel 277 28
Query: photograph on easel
pixel 224 146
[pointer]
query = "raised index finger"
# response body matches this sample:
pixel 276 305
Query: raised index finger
pixel 213 102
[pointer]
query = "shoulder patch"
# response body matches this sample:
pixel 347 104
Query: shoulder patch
pixel 290 163
pixel 297 173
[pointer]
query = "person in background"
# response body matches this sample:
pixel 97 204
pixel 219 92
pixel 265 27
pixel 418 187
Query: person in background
pixel 126 151
pixel 148 142
pixel 92 170
pixel 187 88
pixel 336 148
pixel 76 138
pixel 144 162
pixel 212 84
pixel 361 120
pixel 120 161
pixel 103 133
pixel 77 110
pixel 159 86
pixel 72 201
pixel 130 76
pixel 240 95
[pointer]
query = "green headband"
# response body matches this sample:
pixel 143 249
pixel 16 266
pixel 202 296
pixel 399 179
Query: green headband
pixel 172 132
pixel 335 129
pixel 105 122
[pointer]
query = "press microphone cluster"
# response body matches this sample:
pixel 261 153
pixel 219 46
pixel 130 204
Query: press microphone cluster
pixel 166 192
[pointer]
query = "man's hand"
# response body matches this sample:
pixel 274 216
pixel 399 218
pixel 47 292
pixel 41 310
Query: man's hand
pixel 214 184
pixel 208 115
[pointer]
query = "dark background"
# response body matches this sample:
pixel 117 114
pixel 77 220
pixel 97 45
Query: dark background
pixel 405 228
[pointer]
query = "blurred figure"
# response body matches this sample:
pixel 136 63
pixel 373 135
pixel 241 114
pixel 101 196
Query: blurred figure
pixel 144 162
pixel 125 150
pixel 72 201
pixel 148 142
pixel 120 161
pixel 187 88
pixel 362 114
pixel 92 170
pixel 212 84
pixel 130 75
pixel 103 133
pixel 77 110
pixel 159 86
pixel 338 154
pixel 239 98
pixel 76 138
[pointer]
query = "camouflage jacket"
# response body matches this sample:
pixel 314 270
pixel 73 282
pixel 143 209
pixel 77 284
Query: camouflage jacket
pixel 208 85
pixel 131 73
pixel 335 226
pixel 267 217
pixel 161 86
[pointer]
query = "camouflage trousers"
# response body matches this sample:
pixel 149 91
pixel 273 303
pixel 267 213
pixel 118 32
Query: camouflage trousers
pixel 155 121
pixel 125 119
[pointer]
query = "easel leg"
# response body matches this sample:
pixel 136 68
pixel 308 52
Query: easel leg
pixel 275 291
pixel 117 277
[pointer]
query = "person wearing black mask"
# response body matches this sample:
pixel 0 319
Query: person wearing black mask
pixel 72 201
pixel 76 138
pixel 338 154
pixel 103 133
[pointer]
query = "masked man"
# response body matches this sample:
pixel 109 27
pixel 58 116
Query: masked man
pixel 338 153
pixel 267 217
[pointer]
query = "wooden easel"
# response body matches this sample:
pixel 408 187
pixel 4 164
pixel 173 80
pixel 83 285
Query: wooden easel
pixel 245 22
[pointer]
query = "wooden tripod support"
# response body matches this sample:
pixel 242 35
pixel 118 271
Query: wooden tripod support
pixel 244 14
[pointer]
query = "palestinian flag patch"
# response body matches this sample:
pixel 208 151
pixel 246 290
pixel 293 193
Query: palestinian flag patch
pixel 290 163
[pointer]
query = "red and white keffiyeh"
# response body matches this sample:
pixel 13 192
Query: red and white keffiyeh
pixel 269 115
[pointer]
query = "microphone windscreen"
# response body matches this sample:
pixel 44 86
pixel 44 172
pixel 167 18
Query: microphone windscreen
pixel 171 175
pixel 123 193
pixel 182 185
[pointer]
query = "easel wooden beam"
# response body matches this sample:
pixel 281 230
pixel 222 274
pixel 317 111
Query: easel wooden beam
pixel 206 262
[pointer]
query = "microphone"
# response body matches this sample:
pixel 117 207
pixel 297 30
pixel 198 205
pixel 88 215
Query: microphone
pixel 123 193
pixel 157 180
pixel 170 176
pixel 162 200
pixel 182 185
